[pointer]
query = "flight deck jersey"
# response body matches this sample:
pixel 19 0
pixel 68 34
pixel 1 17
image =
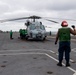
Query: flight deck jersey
pixel 64 34
pixel 11 32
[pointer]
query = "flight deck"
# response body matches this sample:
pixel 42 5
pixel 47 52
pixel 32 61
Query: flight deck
pixel 33 57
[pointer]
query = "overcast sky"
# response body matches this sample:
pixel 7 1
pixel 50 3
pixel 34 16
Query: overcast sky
pixel 43 8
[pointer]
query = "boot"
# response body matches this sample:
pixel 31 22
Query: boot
pixel 67 64
pixel 59 64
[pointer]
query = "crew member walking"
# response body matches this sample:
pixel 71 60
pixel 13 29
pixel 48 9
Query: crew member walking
pixel 64 37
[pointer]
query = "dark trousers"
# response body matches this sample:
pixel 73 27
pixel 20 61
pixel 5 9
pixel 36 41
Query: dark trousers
pixel 64 47
pixel 10 36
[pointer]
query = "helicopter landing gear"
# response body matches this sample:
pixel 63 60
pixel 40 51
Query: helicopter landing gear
pixel 26 37
pixel 44 39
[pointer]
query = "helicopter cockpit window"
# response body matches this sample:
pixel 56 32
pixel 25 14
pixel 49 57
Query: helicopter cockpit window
pixel 37 27
pixel 42 27
pixel 32 27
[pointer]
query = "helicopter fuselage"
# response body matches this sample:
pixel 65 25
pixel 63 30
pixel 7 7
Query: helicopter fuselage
pixel 36 30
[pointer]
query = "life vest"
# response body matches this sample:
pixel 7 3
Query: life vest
pixel 11 32
pixel 64 34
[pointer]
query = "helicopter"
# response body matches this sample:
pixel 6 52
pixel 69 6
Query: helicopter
pixel 34 29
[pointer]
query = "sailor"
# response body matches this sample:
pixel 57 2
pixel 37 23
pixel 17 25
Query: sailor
pixel 11 33
pixel 64 37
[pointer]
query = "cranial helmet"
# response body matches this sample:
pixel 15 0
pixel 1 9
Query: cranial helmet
pixel 64 24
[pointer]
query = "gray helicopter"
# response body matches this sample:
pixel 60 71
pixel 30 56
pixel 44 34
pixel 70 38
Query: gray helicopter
pixel 35 29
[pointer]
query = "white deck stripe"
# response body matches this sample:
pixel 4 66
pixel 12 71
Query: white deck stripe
pixel 62 63
pixel 74 73
pixel 25 50
pixel 21 53
pixel 32 50
pixel 74 49
pixel 63 57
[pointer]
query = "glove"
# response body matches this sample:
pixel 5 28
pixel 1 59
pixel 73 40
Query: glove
pixel 55 43
pixel 73 26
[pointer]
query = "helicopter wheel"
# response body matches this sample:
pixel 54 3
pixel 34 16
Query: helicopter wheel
pixel 43 39
pixel 26 38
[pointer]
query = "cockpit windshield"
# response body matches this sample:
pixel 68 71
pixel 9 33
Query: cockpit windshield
pixel 42 27
pixel 32 27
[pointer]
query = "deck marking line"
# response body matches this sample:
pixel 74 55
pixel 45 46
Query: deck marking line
pixel 74 73
pixel 24 50
pixel 62 63
pixel 63 57
pixel 21 53
pixel 74 49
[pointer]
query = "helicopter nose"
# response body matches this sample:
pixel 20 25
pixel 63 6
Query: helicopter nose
pixel 39 35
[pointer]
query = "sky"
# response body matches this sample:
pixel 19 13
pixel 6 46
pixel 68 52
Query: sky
pixel 57 10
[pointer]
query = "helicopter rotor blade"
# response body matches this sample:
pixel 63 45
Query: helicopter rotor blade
pixel 52 21
pixel 35 17
pixel 31 17
pixel 63 19
pixel 5 20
